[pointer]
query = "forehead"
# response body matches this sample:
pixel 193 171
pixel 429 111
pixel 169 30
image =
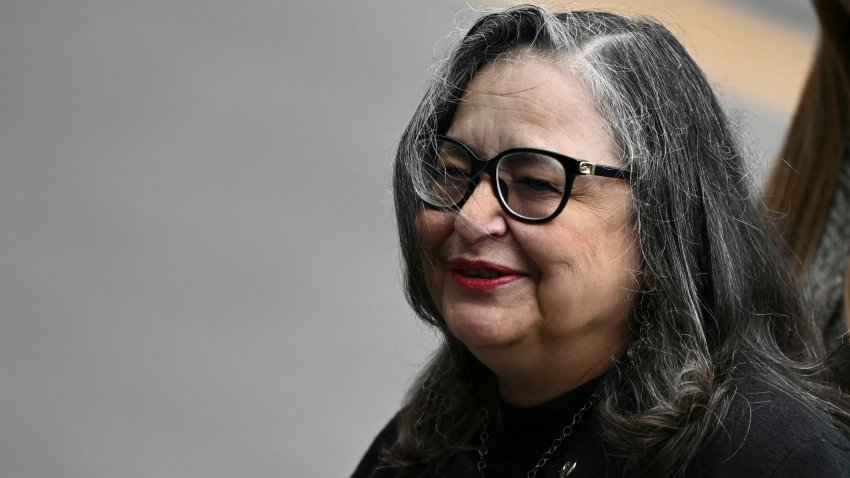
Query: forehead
pixel 537 85
pixel 531 102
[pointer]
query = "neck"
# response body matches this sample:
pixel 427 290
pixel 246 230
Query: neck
pixel 528 379
pixel 528 391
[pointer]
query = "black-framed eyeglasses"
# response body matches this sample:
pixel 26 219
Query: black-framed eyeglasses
pixel 532 185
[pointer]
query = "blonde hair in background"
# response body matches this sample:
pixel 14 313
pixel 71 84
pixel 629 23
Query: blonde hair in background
pixel 803 182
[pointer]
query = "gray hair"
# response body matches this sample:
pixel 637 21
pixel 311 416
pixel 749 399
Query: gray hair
pixel 715 290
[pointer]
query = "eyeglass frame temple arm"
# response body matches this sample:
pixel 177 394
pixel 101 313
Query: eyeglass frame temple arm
pixel 591 169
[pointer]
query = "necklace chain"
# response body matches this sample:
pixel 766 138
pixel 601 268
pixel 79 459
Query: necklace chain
pixel 484 436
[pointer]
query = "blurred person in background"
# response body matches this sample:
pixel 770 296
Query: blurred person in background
pixel 809 187
pixel 575 219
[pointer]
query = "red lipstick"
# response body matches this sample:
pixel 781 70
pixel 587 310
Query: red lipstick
pixel 481 276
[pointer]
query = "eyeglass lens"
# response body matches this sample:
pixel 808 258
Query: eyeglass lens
pixel 531 185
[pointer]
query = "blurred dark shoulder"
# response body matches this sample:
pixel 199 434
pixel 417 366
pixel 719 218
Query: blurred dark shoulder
pixel 769 432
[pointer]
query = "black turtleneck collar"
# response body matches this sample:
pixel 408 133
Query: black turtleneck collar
pixel 559 410
pixel 523 434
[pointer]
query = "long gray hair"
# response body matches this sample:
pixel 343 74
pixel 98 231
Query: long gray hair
pixel 715 290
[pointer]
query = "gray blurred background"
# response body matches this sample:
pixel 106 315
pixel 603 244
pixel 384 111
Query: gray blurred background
pixel 199 274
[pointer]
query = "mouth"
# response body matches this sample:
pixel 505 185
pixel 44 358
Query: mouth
pixel 479 276
pixel 480 273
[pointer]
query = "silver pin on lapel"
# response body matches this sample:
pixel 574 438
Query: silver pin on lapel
pixel 568 468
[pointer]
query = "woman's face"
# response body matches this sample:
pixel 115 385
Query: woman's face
pixel 561 287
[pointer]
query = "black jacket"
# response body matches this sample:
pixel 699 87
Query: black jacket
pixel 766 434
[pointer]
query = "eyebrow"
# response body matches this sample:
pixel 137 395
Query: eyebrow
pixel 481 157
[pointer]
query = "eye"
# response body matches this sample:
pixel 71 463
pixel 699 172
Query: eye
pixel 445 175
pixel 532 176
pixel 539 186
pixel 456 173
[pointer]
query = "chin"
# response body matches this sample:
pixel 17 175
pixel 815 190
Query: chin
pixel 483 330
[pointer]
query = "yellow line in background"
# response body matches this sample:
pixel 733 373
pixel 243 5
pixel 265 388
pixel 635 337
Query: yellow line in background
pixel 763 62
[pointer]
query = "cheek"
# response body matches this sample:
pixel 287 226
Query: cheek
pixel 563 253
pixel 586 267
pixel 434 228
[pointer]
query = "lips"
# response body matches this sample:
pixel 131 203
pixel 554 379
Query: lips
pixel 480 276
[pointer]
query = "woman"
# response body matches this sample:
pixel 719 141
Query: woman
pixel 575 220
pixel 810 186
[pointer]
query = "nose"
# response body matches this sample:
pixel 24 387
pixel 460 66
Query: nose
pixel 481 216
